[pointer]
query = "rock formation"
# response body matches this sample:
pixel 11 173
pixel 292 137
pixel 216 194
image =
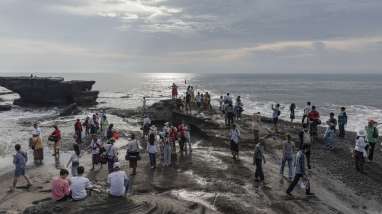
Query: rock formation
pixel 50 91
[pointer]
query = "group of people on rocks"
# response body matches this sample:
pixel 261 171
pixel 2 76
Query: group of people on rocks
pixel 231 112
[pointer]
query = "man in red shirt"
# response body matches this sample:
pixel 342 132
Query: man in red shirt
pixel 314 121
pixel 78 130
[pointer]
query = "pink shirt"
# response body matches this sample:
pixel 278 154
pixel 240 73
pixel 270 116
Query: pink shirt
pixel 60 188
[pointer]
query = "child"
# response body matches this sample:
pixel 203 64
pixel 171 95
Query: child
pixel 19 160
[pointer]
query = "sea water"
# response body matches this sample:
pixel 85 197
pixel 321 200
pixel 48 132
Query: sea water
pixel 359 93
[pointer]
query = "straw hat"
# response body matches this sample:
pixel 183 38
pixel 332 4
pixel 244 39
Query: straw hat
pixel 361 133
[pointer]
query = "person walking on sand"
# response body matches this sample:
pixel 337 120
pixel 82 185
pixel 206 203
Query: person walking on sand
pixel 292 109
pixel 152 149
pixel 132 154
pixel 174 91
pixel 56 138
pixel 287 156
pixel 111 154
pixel 258 159
pixel 314 121
pixel 275 116
pixel 61 187
pixel 118 182
pixel 80 185
pixel 19 160
pixel 305 143
pixel 234 136
pixel 97 149
pixel 307 110
pixel 372 137
pixel 299 173
pixel 342 121
pixel 329 136
pixel 360 151
pixel 78 130
pixel 38 149
pixel 238 109
pixel 229 114
pixel 74 160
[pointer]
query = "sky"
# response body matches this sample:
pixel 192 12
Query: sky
pixel 193 36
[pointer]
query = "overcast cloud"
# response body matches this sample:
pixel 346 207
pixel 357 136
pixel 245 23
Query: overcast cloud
pixel 191 36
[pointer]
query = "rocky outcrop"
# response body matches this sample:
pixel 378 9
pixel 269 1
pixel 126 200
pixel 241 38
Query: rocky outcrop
pixel 50 91
pixel 5 108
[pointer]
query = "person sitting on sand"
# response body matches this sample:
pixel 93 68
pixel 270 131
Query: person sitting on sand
pixel 74 159
pixel 275 116
pixel 79 185
pixel 258 159
pixel 19 160
pixel 61 186
pixel 118 181
pixel 360 151
pixel 342 121
pixel 287 156
pixel 234 136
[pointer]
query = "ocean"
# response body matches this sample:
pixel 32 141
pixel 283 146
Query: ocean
pixel 359 93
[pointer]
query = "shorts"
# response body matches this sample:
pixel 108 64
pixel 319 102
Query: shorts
pixel 19 172
pixel 234 146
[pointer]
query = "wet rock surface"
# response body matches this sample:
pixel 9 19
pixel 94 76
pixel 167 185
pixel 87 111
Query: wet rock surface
pixel 50 91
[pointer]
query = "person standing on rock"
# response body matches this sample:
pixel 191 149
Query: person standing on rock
pixel 174 91
pixel 132 154
pixel 78 131
pixel 287 157
pixel 38 148
pixel 258 159
pixel 221 104
pixel 167 150
pixel 36 130
pixel 152 148
pixel 332 121
pixel 229 114
pixel 111 153
pixel 234 136
pixel 307 110
pixel 56 138
pixel 329 136
pixel 198 100
pixel 292 109
pixel 372 137
pixel 20 160
pixel 305 143
pixel 74 160
pixel 342 121
pixel 188 103
pixel 275 116
pixel 314 121
pixel 96 147
pixel 187 135
pixel 299 173
pixel 87 126
pixel 360 151
pixel 104 126
pixel 238 108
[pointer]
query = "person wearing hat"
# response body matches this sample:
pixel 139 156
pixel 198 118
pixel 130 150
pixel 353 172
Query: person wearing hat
pixel 287 156
pixel 360 150
pixel 118 181
pixel 372 137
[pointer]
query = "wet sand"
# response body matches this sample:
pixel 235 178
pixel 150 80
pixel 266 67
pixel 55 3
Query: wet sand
pixel 208 180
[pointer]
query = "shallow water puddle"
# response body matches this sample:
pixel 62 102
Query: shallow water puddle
pixel 195 196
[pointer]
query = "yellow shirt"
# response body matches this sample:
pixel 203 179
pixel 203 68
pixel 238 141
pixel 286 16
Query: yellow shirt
pixel 37 143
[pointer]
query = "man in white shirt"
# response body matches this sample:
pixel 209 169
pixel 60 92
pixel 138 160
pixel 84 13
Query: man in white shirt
pixel 118 182
pixel 79 185
pixel 36 130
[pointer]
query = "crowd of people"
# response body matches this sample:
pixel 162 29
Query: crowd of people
pixel 164 141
